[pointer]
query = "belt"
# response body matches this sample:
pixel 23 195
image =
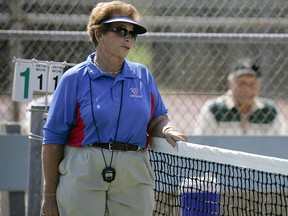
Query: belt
pixel 117 146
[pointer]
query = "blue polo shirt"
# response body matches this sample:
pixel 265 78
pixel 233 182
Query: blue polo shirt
pixel 133 94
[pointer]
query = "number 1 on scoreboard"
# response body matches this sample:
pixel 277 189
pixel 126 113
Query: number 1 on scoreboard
pixel 26 75
pixel 22 87
pixel 55 73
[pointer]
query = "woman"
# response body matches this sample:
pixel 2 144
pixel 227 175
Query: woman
pixel 95 139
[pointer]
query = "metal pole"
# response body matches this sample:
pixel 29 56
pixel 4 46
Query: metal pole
pixel 16 44
pixel 38 116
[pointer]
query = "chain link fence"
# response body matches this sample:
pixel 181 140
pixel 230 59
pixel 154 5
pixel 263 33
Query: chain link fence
pixel 190 47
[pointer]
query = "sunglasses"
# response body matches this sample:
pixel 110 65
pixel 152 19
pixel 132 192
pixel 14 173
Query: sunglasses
pixel 122 32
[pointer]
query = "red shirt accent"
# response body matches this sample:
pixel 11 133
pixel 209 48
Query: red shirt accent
pixel 76 135
pixel 151 114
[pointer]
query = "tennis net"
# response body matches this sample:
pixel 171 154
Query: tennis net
pixel 203 180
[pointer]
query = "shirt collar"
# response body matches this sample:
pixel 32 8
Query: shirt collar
pixel 94 72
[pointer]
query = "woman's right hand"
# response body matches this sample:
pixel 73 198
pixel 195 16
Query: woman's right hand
pixel 52 154
pixel 49 206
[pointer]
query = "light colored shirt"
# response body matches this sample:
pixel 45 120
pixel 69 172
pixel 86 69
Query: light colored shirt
pixel 221 116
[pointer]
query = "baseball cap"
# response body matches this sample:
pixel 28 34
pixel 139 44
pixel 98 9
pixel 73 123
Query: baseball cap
pixel 139 29
pixel 245 66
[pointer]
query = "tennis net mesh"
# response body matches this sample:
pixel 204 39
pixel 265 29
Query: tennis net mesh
pixel 203 180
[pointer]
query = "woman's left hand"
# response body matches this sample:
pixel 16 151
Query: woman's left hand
pixel 172 136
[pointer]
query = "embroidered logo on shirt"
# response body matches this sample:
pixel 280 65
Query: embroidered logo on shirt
pixel 135 93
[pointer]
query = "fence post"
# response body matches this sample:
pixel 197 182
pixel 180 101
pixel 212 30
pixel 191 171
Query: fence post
pixel 38 115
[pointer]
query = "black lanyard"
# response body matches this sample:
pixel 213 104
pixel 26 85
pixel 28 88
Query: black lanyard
pixel 108 172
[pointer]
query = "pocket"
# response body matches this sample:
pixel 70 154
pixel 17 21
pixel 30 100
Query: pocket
pixel 146 161
pixel 62 166
pixel 68 151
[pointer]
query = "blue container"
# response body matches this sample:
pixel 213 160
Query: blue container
pixel 200 204
pixel 200 196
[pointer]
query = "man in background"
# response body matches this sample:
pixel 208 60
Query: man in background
pixel 240 111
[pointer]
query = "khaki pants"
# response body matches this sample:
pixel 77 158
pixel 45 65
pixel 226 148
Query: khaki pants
pixel 82 191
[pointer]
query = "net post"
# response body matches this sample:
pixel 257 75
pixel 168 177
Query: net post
pixel 38 114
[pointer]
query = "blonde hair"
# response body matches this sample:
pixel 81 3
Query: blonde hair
pixel 107 10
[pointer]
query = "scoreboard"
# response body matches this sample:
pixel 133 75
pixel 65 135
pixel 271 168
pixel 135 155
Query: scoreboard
pixel 36 76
